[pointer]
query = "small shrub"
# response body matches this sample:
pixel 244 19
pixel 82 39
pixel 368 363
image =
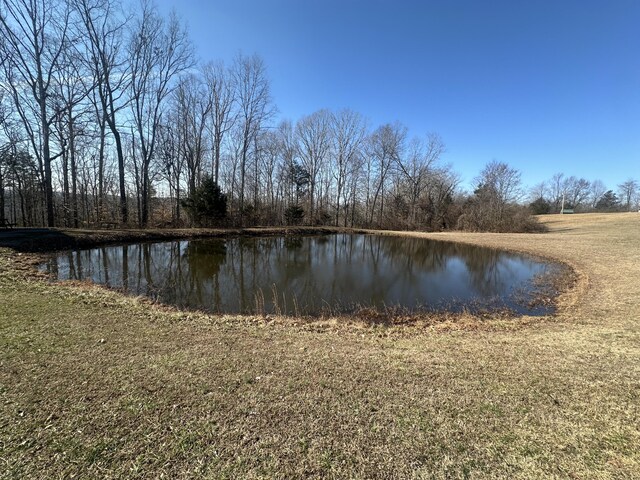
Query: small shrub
pixel 514 219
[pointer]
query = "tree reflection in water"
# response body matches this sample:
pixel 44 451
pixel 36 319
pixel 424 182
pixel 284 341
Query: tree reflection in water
pixel 307 274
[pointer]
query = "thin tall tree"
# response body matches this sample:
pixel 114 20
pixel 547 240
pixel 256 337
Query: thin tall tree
pixel 160 51
pixel 34 34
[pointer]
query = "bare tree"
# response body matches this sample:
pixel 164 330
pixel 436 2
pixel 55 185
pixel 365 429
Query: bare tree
pixel 385 146
pixel 497 186
pixel 7 147
pixel 596 192
pixel 575 191
pixel 171 159
pixel 313 139
pixel 503 180
pixel 348 133
pixel 270 158
pixel 103 37
pixel 68 95
pixel 628 191
pixel 192 107
pixel 287 144
pixel 218 81
pixel 159 51
pixel 252 92
pixel 556 191
pixel 492 206
pixel 539 190
pixel 34 36
pixel 353 185
pixel 441 188
pixel 417 166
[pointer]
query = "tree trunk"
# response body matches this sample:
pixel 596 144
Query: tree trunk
pixel 74 171
pixel 178 202
pixel 217 162
pixel 144 204
pixel 124 211
pixel 2 217
pixel 46 157
pixel 65 186
pixel 101 169
pixel 242 173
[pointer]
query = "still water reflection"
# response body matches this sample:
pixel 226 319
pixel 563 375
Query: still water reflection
pixel 309 275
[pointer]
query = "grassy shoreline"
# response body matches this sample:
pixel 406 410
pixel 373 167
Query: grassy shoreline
pixel 95 384
pixel 35 245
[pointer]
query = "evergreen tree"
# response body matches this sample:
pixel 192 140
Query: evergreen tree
pixel 540 206
pixel 206 205
pixel 294 214
pixel 608 202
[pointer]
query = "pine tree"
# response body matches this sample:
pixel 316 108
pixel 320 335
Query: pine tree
pixel 206 205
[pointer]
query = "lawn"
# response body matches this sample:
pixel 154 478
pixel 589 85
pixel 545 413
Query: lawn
pixel 94 384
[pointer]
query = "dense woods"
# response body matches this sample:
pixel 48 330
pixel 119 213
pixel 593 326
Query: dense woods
pixel 107 116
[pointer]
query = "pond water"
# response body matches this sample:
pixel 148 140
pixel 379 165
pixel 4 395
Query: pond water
pixel 312 275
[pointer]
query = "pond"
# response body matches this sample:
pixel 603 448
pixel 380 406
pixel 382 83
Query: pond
pixel 313 274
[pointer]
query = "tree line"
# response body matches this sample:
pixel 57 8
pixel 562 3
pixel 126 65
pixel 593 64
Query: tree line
pixel 106 115
pixel 582 195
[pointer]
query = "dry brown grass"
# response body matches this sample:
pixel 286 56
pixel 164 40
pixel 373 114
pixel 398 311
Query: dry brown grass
pixel 97 385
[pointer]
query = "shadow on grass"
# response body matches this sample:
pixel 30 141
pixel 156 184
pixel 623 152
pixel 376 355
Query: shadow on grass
pixel 35 239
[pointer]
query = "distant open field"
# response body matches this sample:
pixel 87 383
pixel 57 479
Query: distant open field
pixel 94 384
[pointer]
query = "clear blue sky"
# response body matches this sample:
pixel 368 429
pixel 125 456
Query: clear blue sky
pixel 543 85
